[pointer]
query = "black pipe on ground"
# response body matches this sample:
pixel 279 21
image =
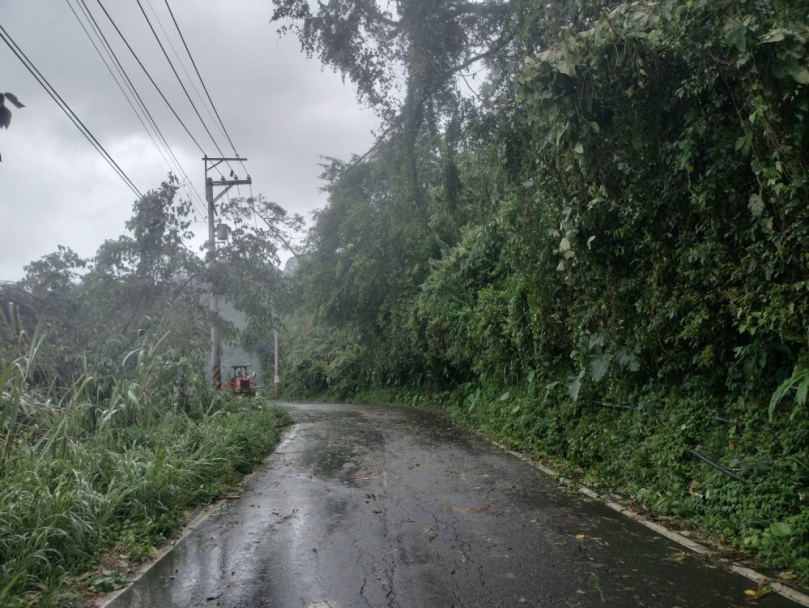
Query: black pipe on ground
pixel 718 467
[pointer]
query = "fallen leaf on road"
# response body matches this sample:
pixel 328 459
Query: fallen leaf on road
pixel 761 592
pixel 464 556
pixel 430 531
pixel 219 593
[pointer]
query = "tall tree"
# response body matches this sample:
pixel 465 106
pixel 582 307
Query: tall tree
pixel 404 59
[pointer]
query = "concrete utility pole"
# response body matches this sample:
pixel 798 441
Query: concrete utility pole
pixel 227 184
pixel 277 380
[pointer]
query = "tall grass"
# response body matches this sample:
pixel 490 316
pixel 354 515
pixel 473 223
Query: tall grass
pixel 109 463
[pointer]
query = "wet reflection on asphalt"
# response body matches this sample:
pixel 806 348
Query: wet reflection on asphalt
pixel 371 506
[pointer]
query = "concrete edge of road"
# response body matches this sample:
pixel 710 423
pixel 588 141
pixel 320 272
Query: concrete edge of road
pixel 105 600
pixel 760 579
pixel 757 577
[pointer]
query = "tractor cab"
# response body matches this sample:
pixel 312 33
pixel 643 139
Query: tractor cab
pixel 240 381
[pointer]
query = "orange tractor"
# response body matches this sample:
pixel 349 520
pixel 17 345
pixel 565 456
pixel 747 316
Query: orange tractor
pixel 240 381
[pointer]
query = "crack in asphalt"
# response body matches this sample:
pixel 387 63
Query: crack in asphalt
pixel 391 509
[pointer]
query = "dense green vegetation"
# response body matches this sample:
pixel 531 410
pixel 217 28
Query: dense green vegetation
pixel 109 428
pixel 599 253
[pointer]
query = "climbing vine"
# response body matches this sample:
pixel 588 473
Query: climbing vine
pixel 617 272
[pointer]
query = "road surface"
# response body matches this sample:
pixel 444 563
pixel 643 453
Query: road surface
pixel 370 506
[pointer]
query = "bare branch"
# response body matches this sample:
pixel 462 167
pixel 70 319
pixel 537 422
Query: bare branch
pixel 277 232
pixel 374 13
pixel 397 122
pixel 600 8
pixel 428 92
pixel 182 288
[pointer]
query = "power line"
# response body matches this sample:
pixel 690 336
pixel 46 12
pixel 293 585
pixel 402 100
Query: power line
pixel 173 69
pixel 133 90
pixel 187 95
pixel 140 63
pixel 182 65
pixel 213 105
pixel 141 103
pixel 185 69
pixel 194 63
pixel 66 108
pixel 277 232
pixel 129 101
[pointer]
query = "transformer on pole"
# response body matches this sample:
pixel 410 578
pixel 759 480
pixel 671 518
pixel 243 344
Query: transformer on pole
pixel 227 184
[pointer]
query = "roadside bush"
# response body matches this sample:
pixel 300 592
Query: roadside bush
pixel 616 273
pixel 85 472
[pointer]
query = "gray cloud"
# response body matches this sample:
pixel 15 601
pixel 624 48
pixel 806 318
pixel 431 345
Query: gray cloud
pixel 281 109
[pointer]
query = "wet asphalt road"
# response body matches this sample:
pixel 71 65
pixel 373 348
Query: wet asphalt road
pixel 369 506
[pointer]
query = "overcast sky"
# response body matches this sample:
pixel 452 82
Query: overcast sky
pixel 281 110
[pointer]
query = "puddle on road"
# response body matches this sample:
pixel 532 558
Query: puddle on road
pixel 341 451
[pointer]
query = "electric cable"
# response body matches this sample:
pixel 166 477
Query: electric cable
pixel 126 96
pixel 185 69
pixel 205 88
pixel 185 91
pixel 176 75
pixel 141 103
pixel 18 52
pixel 194 63
pixel 182 85
pixel 140 63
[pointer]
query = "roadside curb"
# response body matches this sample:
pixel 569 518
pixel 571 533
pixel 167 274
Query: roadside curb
pixel 105 600
pixel 749 573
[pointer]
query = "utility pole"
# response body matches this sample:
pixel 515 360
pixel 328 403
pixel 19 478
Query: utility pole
pixel 227 184
pixel 276 380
